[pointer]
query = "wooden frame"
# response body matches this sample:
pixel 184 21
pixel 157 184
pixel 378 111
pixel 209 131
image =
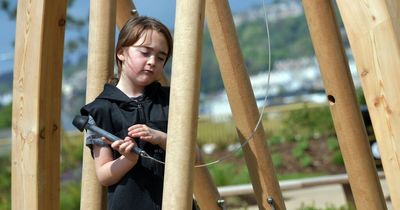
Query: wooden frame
pixel 375 40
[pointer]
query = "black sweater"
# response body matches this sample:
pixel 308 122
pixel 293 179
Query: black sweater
pixel 141 188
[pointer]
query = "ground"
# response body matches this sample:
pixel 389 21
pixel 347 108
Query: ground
pixel 324 160
pixel 321 158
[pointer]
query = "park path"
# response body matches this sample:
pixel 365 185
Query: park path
pixel 319 197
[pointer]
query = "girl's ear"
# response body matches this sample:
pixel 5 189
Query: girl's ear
pixel 120 54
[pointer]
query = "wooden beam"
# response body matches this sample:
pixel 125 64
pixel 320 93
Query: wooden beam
pixel 349 126
pixel 205 191
pixel 373 30
pixel 243 103
pixel 38 64
pixel 100 69
pixel 184 104
pixel 125 10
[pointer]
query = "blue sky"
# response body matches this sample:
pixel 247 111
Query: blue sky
pixel 164 10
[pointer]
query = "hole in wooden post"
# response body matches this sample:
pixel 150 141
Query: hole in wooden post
pixel 331 99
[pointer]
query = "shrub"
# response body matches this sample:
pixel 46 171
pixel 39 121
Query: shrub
pixel 277 160
pixel 5 182
pixel 307 122
pixel 219 133
pixel 333 146
pixel 70 195
pixel 229 174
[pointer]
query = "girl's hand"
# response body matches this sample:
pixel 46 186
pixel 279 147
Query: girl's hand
pixel 124 147
pixel 143 132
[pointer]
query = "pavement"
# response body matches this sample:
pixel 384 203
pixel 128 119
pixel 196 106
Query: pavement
pixel 320 197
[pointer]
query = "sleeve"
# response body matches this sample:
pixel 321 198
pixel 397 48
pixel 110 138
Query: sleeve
pixel 93 138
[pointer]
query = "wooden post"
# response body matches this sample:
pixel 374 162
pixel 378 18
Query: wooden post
pixel 350 129
pixel 205 191
pixel 243 103
pixel 183 111
pixel 125 10
pixel 348 195
pixel 373 30
pixel 36 112
pixel 100 69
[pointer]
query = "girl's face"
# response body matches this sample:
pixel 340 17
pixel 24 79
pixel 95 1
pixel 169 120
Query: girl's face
pixel 143 62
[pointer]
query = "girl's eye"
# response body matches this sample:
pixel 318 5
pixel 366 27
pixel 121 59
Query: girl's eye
pixel 161 58
pixel 145 53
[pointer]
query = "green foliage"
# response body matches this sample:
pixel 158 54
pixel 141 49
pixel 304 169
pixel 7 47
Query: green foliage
pixel 277 160
pixel 229 174
pixel 275 140
pixel 305 160
pixel 300 148
pixel 308 122
pixel 70 195
pixel 300 152
pixel 71 159
pixel 219 133
pixel 333 146
pixel 71 151
pixel 337 158
pixel 360 96
pixel 5 182
pixel 6 116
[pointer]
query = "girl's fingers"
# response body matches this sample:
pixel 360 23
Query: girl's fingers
pixel 106 140
pixel 126 147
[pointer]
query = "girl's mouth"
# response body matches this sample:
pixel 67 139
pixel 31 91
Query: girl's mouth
pixel 147 72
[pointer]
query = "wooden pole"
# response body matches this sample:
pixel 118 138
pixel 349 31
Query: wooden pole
pixel 373 30
pixel 243 103
pixel 36 111
pixel 183 111
pixel 350 129
pixel 100 69
pixel 125 10
pixel 205 191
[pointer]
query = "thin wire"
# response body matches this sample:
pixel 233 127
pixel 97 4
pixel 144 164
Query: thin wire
pixel 145 155
pixel 261 113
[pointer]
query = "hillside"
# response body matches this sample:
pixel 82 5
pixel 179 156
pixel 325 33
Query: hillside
pixel 289 41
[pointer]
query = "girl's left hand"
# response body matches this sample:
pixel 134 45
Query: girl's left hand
pixel 143 132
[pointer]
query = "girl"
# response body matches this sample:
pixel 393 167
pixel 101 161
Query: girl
pixel 136 110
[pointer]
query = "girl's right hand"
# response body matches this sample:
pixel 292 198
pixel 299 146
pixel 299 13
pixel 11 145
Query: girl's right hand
pixel 124 147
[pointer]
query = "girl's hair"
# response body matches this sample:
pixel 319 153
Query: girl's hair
pixel 134 28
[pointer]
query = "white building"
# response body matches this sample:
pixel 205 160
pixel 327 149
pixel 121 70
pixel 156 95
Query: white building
pixel 278 87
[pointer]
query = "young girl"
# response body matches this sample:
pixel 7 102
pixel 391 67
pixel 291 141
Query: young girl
pixel 136 110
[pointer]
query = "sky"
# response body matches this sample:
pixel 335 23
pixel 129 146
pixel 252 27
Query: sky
pixel 163 10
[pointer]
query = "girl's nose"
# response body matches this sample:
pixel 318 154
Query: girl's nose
pixel 151 60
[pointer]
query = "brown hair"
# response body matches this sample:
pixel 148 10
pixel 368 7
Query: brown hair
pixel 134 28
